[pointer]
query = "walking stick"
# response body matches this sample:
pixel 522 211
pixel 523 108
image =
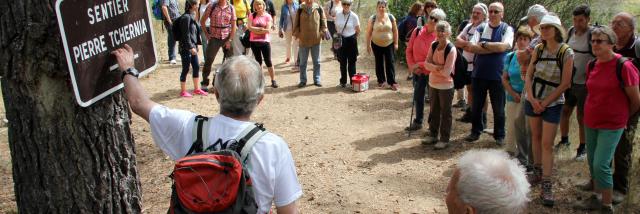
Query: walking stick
pixel 413 101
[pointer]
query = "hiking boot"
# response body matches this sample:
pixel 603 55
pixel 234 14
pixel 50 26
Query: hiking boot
pixel 591 203
pixel 606 209
pixel 500 142
pixel 535 177
pixel 581 154
pixel 617 197
pixel 429 140
pixel 460 104
pixel 318 84
pixel 546 195
pixel 274 84
pixel 414 127
pixel 302 84
pixel 587 187
pixel 471 137
pixel 441 145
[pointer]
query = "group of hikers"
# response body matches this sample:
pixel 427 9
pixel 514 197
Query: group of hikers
pixel 535 75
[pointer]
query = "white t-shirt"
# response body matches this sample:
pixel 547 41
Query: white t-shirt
pixel 270 164
pixel 466 35
pixel 350 28
pixel 580 60
pixel 332 11
pixel 488 32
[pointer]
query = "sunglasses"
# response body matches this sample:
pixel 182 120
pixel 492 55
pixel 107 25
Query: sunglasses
pixel 346 4
pixel 599 41
pixel 495 11
pixel 433 18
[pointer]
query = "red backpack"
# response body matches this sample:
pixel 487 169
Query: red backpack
pixel 207 181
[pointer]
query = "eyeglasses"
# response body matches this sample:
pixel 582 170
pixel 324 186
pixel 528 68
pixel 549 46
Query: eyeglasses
pixel 346 4
pixel 434 19
pixel 619 24
pixel 495 11
pixel 599 41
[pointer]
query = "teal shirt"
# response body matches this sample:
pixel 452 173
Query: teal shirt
pixel 513 71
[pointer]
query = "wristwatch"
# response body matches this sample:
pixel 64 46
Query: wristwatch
pixel 131 71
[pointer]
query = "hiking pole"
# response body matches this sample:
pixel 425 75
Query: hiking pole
pixel 413 101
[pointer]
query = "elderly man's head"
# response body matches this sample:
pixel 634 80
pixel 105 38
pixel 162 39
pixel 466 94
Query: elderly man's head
pixel 496 12
pixel 487 181
pixel 624 24
pixel 239 86
pixel 535 14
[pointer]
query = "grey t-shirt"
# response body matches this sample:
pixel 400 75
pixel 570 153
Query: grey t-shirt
pixel 580 44
pixel 172 7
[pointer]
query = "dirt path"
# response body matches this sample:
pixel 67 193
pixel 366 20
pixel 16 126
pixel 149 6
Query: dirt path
pixel 350 151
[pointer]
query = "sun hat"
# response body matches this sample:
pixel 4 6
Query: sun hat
pixel 535 10
pixel 552 20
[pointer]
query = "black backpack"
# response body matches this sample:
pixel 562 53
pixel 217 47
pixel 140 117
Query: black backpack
pixel 177 26
pixel 209 181
pixel 619 63
pixel 460 75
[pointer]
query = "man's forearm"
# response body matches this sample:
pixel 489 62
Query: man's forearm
pixel 138 99
pixel 496 47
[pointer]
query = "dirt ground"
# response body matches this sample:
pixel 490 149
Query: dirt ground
pixel 351 152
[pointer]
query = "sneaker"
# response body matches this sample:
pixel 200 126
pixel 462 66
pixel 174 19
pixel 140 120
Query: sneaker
pixel 342 85
pixel 318 84
pixel 204 88
pixel 394 87
pixel 381 85
pixel 562 145
pixel 200 92
pixel 441 145
pixel 547 193
pixel 173 62
pixel 429 140
pixel 587 186
pixel 472 137
pixel 302 84
pixel 592 203
pixel 185 94
pixel 607 209
pixel 500 142
pixel 274 84
pixel 617 197
pixel 414 127
pixel 460 104
pixel 581 154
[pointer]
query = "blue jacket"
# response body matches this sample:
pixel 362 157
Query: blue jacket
pixel 284 13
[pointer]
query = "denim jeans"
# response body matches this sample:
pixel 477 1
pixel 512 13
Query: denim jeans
pixel 171 42
pixel 419 88
pixel 315 57
pixel 498 99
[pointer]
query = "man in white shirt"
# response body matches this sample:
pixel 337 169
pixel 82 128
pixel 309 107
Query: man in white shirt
pixel 239 89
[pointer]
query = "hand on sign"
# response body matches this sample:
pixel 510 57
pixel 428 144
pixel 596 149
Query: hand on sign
pixel 124 56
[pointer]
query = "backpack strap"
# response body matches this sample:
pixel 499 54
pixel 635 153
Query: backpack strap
pixel 247 139
pixel 570 33
pixel 619 64
pixel 417 30
pixel 200 134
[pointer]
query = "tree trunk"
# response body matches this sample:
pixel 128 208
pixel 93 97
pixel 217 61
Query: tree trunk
pixel 66 159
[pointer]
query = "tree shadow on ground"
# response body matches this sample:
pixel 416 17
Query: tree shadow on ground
pixel 166 95
pixel 383 140
pixel 317 91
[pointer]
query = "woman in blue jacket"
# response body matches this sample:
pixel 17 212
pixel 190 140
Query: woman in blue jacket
pixel 287 15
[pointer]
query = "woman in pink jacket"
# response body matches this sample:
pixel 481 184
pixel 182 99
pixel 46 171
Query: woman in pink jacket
pixel 419 43
pixel 440 61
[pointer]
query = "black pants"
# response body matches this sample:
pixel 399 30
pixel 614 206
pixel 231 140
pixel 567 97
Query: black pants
pixel 189 60
pixel 384 63
pixel 331 26
pixel 622 157
pixel 262 51
pixel 347 56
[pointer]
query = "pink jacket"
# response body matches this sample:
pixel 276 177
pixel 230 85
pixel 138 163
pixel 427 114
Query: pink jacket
pixel 441 68
pixel 417 49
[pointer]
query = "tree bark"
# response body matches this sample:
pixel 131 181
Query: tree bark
pixel 66 159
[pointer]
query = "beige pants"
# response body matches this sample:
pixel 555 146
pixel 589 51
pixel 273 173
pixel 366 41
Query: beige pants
pixel 292 43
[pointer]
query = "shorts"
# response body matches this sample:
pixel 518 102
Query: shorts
pixel 576 96
pixel 550 115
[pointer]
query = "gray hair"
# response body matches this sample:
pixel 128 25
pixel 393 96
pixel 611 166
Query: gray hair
pixel 239 84
pixel 438 14
pixel 537 11
pixel 483 7
pixel 443 26
pixel 607 31
pixel 634 20
pixel 491 182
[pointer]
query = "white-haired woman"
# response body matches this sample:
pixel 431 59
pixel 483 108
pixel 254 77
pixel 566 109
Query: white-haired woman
pixel 260 25
pixel 487 181
pixel 548 76
pixel 440 61
pixel 348 26
pixel 609 103
pixel 382 39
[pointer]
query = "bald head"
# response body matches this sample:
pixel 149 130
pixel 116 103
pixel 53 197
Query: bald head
pixel 624 25
pixel 496 13
pixel 497 4
pixel 627 18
